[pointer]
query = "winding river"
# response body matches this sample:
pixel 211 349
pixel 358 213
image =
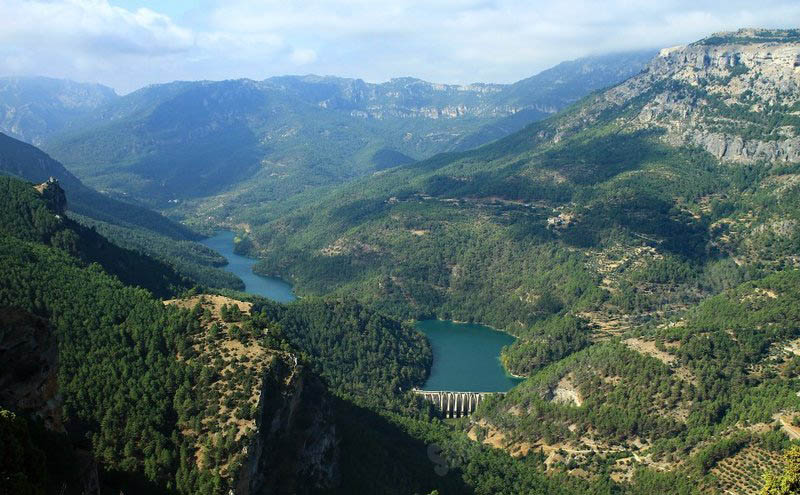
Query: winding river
pixel 242 266
pixel 466 356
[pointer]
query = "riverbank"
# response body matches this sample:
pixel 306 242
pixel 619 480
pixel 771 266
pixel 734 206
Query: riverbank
pixel 270 287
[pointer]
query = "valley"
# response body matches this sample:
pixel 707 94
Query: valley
pixel 465 357
pixel 600 238
pixel 242 267
pixel 587 281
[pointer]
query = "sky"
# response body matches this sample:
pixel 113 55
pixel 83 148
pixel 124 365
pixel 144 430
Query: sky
pixel 127 44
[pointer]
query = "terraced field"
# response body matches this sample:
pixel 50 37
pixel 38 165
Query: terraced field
pixel 743 473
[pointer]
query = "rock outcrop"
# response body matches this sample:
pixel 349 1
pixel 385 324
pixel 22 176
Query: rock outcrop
pixel 279 413
pixel 29 366
pixel 733 94
pixel 54 195
pixel 296 446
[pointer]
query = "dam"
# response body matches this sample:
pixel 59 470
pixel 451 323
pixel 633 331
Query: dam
pixel 455 404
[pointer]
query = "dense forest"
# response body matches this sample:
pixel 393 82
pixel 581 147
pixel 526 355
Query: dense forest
pixel 642 246
pixel 148 417
pixel 188 258
pixel 516 231
pixel 124 393
pixel 32 216
pixel 24 161
pixel 126 224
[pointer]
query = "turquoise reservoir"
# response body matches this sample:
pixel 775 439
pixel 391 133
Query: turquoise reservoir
pixel 466 357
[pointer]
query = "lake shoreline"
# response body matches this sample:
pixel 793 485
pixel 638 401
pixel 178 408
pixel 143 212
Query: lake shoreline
pixel 462 322
pixel 466 357
pixel 272 288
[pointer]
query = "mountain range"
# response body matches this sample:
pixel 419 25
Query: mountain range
pixel 672 160
pixel 642 245
pixel 270 139
pixel 632 220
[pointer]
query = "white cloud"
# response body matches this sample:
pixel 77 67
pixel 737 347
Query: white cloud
pixel 91 26
pixel 487 40
pixel 303 56
pixel 86 39
pixel 440 40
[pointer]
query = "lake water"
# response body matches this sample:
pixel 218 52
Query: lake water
pixel 466 357
pixel 242 266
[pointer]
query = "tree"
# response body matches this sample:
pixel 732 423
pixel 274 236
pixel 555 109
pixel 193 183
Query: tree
pixel 788 482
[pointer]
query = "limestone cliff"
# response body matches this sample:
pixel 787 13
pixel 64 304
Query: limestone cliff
pixel 295 448
pixel 736 95
pixel 29 387
pixel 29 366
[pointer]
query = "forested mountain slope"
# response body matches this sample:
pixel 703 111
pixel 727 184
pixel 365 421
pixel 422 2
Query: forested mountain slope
pixel 643 245
pixel 626 188
pixel 38 215
pixel 555 89
pixel 131 226
pixel 711 396
pixel 163 393
pixel 27 162
pixel 266 140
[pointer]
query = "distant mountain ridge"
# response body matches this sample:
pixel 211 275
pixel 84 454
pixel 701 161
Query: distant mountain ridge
pixel 34 108
pixel 276 137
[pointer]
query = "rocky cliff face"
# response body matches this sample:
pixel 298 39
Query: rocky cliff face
pixel 736 95
pixel 405 97
pixel 408 97
pixel 295 447
pixel 29 387
pixel 29 366
pixel 54 195
pixel 270 421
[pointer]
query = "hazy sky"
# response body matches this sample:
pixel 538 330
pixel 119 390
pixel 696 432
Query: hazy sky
pixel 130 43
